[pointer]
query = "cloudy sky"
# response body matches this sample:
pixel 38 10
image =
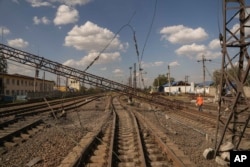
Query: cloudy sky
pixel 156 33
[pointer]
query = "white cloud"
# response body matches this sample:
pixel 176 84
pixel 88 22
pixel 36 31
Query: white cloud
pixel 152 64
pixel 235 28
pixel 195 51
pixel 181 34
pixel 66 15
pixel 158 63
pixel 214 44
pixel 19 43
pixel 91 37
pixel 86 60
pixel 4 30
pixel 38 3
pixel 42 20
pixel 190 50
pixel 174 63
pixel 118 72
pixel 209 55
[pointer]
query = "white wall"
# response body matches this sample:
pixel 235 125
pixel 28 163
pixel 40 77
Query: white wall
pixel 180 89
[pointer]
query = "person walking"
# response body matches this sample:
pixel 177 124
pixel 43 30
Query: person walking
pixel 199 102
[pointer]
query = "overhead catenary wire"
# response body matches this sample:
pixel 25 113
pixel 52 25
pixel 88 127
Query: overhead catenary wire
pixel 145 43
pixel 135 42
pixel 149 31
pixel 122 27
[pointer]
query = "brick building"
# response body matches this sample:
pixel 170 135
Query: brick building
pixel 18 85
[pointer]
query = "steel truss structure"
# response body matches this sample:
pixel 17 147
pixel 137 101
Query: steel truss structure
pixel 38 62
pixel 234 73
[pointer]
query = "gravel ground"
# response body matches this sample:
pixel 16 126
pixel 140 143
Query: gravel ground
pixel 54 141
pixel 191 142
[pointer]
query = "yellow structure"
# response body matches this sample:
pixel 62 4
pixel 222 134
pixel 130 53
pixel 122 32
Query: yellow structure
pixel 16 84
pixel 61 88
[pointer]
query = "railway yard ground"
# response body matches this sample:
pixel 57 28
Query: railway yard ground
pixel 107 130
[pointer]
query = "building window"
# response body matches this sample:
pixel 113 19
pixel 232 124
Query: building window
pixel 13 81
pixel 7 81
pixel 7 92
pixel 17 82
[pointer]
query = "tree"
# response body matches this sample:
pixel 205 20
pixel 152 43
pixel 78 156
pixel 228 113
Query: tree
pixel 161 79
pixel 231 72
pixel 216 77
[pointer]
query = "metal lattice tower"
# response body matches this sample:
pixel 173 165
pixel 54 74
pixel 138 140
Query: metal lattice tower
pixel 234 126
pixel 3 70
pixel 3 64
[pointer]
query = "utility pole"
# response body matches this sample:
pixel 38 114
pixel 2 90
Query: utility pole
pixel 43 81
pixel 169 82
pixel 134 84
pixel 186 81
pixel 203 60
pixel 35 78
pixel 130 76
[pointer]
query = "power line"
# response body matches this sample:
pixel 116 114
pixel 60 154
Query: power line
pixel 203 60
pixel 97 57
pixel 144 46
pixel 150 28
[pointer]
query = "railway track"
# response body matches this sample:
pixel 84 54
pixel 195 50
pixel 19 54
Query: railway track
pixel 125 141
pixel 40 107
pixel 113 133
pixel 20 123
pixel 18 132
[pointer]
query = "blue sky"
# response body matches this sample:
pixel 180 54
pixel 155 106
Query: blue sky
pixel 75 32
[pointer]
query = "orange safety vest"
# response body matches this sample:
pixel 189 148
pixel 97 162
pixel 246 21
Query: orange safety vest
pixel 199 100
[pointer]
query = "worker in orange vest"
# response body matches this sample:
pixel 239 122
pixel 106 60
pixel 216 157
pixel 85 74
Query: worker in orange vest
pixel 199 102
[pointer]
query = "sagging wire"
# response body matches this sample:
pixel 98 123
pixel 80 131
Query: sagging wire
pixel 208 72
pixel 97 57
pixel 150 28
pixel 144 46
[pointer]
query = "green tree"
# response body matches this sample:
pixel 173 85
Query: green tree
pixel 216 77
pixel 161 79
pixel 233 72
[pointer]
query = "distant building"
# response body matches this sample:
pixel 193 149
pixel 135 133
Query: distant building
pixel 61 88
pixel 74 84
pixel 201 87
pixel 20 85
pixel 179 87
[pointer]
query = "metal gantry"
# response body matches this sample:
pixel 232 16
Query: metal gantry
pixel 42 63
pixel 234 73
